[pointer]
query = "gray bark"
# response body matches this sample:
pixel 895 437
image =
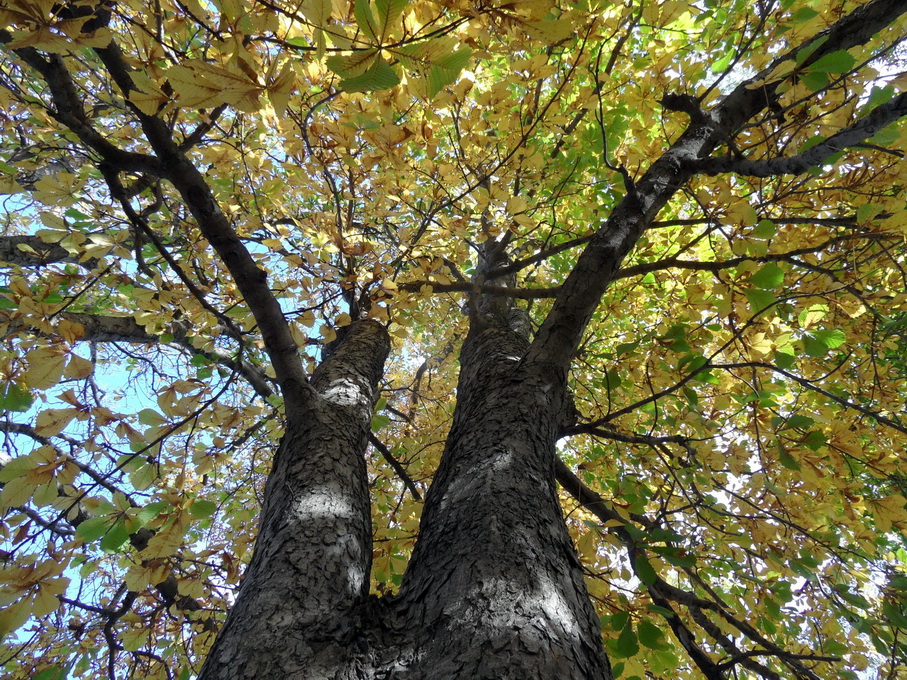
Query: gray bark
pixel 493 591
pixel 296 612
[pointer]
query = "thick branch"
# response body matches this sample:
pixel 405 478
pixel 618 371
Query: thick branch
pixel 37 253
pixel 99 328
pixel 561 332
pixel 251 281
pixel 69 111
pixel 861 130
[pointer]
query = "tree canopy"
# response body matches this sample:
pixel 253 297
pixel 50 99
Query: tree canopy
pixel 700 207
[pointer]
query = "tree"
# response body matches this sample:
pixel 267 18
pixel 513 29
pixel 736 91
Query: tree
pixel 617 289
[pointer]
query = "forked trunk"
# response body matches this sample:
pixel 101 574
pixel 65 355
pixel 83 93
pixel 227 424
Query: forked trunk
pixel 494 588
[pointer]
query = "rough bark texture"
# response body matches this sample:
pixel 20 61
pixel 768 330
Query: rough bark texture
pixel 295 616
pixel 493 591
pixel 494 588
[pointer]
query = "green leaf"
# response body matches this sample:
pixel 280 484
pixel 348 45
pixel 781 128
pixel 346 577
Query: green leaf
pixel 446 70
pixel 16 467
pixel 644 570
pixel 651 635
pixel 150 511
pixel 878 96
pixel 785 359
pixel 818 342
pixel 15 398
pixel 787 460
pixel 380 76
pixel 662 611
pixel 724 62
pixel 352 65
pixel 148 416
pixel 798 421
pixel 626 644
pixel 53 673
pixel 804 14
pixel 815 80
pixel 760 300
pixel 202 509
pixel 886 136
pixel 765 229
pixel 389 12
pixel 833 62
pixel 769 277
pixel 804 53
pixel 379 421
pixel 362 12
pixel 114 538
pixel 92 528
pixel 815 440
pixel 619 620
pixel 676 556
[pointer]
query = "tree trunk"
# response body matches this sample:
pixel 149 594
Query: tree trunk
pixel 296 610
pixel 494 588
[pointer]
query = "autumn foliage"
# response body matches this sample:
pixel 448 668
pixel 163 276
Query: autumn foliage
pixel 733 473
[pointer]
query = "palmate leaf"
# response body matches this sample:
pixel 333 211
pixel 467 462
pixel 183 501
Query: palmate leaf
pixel 379 76
pixel 436 62
pixel 362 11
pixel 351 65
pixel 388 13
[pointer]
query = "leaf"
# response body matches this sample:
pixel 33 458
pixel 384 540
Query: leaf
pixel 833 62
pixel 889 511
pixel 355 64
pixel 769 277
pixel 55 672
pixel 388 14
pixel 14 617
pixel 815 80
pixel 765 229
pixel 551 31
pixel 92 528
pixel 148 416
pixel 787 460
pixel 52 422
pixel 818 342
pixel 362 12
pixel 651 635
pixel 45 367
pixel 15 398
pixel 115 537
pixel 644 570
pixel 201 509
pixel 626 644
pixel 380 76
pixel 725 61
pixel 760 300
pixel 151 511
pixel 446 70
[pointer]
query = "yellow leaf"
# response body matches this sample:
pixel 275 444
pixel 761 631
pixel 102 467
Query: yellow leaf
pixel 52 421
pixel 45 494
pixel 78 367
pixel 42 39
pixel 889 511
pixel 307 318
pixel 14 617
pixel 279 91
pixel 46 598
pixel 9 186
pixel 70 330
pixel 16 492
